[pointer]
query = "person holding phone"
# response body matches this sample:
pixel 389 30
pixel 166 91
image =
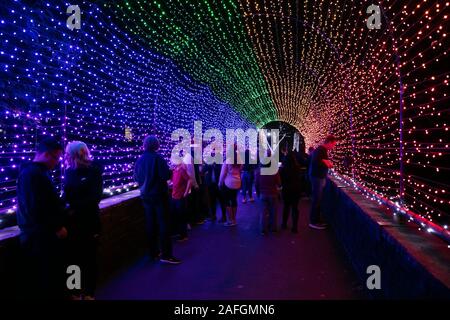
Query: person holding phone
pixel 41 219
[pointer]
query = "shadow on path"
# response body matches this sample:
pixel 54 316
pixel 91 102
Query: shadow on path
pixel 224 263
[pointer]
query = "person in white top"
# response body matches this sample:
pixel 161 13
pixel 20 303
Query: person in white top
pixel 230 182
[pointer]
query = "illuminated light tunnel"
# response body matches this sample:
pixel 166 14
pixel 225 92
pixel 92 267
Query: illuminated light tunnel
pixel 137 67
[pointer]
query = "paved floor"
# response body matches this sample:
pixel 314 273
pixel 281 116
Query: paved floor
pixel 238 263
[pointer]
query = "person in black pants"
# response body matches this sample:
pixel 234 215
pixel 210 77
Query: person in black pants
pixel 83 189
pixel 203 201
pixel 41 219
pixel 308 164
pixel 291 183
pixel 152 173
pixel 248 177
pixel 181 186
pixel 212 176
pixel 318 172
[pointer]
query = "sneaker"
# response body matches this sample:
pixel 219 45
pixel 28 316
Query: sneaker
pixel 90 298
pixel 317 226
pixel 228 224
pixel 189 227
pixel 244 200
pixel 251 199
pixel 171 260
pixel 182 239
pixel 200 222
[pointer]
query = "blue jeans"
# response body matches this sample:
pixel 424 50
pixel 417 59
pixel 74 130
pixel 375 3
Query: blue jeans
pixel 247 183
pixel 317 186
pixel 268 218
pixel 157 225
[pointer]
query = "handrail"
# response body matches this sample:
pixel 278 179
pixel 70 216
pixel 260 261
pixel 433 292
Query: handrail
pixel 431 227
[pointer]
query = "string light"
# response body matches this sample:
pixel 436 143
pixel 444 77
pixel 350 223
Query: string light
pixel 96 84
pixel 151 66
pixel 328 73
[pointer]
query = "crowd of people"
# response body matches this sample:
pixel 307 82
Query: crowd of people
pixel 60 231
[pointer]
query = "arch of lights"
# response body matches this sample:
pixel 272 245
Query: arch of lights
pixel 163 64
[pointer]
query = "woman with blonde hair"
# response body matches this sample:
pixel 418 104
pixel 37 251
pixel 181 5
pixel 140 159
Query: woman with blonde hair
pixel 83 189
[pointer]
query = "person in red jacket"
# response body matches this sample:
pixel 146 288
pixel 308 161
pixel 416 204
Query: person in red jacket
pixel 181 187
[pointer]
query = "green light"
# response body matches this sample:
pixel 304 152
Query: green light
pixel 209 41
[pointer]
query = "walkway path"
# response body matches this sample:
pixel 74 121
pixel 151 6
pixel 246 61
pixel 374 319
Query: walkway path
pixel 238 263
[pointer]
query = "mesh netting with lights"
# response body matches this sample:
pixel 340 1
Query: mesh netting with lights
pixel 139 67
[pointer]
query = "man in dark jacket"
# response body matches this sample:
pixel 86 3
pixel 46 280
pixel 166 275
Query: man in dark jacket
pixel 318 172
pixel 41 219
pixel 151 173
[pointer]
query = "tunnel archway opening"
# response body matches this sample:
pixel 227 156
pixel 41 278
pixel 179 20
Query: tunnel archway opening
pixel 290 137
